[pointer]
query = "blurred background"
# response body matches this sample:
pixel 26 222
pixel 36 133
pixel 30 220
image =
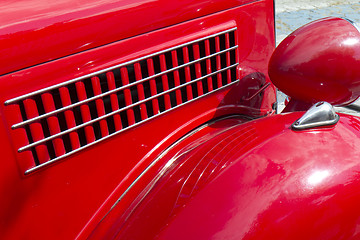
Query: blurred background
pixel 292 14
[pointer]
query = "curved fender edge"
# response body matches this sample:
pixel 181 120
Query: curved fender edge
pixel 254 180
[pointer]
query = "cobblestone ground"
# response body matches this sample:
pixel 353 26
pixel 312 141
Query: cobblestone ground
pixel 292 14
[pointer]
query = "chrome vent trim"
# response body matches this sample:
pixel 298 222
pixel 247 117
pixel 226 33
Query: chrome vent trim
pixel 118 89
pixel 133 92
pixel 14 100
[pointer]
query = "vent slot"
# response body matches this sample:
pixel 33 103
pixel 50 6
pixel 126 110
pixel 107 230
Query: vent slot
pixel 65 118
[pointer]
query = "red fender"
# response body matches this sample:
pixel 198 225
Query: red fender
pixel 254 180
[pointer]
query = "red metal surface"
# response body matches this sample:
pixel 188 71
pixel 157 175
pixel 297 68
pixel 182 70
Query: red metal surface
pixel 100 106
pixel 319 62
pixel 165 82
pixel 127 95
pixel 296 105
pixel 85 112
pixel 229 179
pixel 258 180
pixel 53 124
pixel 176 77
pixel 140 89
pixel 187 74
pixel 69 117
pixel 114 101
pixel 198 69
pixel 208 64
pixel 36 129
pixel 69 199
pixel 218 63
pixel 37 31
pixel 153 90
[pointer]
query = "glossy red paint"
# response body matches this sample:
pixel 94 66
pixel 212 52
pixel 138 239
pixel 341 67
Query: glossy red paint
pixel 69 198
pixel 296 105
pixel 258 180
pixel 319 62
pixel 37 31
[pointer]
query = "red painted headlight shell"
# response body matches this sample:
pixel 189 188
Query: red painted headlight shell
pixel 319 62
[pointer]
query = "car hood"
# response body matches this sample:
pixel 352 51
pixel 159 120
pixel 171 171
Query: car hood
pixel 37 31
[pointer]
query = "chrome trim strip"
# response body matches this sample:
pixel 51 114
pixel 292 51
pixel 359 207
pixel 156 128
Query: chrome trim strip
pixel 167 164
pixel 14 100
pixel 123 109
pixel 115 133
pixel 21 124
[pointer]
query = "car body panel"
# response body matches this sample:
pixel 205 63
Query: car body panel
pixel 235 180
pixel 69 198
pixel 37 31
pixel 220 165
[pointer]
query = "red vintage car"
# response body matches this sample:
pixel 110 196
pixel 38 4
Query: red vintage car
pixel 142 119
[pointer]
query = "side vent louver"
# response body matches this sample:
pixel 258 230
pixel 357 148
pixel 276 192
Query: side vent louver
pixel 65 118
